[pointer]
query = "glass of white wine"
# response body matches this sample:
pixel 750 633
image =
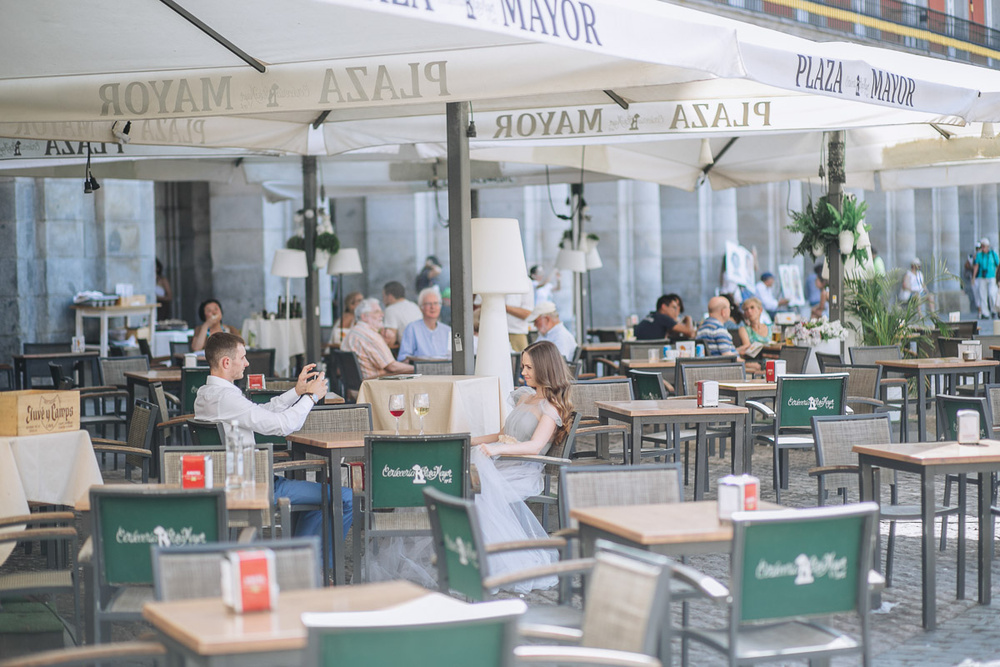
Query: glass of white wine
pixel 397 406
pixel 421 406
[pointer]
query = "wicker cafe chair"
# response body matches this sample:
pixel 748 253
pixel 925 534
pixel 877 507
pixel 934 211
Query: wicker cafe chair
pixel 837 468
pixel 824 358
pixel 862 387
pixel 432 366
pixel 425 631
pixel 584 395
pixel 113 369
pixel 947 429
pixel 392 464
pixel 138 448
pixel 58 530
pixel 118 653
pixel 121 572
pixel 338 419
pixel 796 357
pixel 760 628
pixel 192 571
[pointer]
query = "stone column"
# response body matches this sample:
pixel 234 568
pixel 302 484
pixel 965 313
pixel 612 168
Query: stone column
pixel 640 257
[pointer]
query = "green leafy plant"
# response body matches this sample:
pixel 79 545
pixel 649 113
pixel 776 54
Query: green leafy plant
pixel 821 225
pixel 881 318
pixel 325 241
pixel 567 239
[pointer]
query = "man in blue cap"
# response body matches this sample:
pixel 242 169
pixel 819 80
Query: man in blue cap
pixel 766 295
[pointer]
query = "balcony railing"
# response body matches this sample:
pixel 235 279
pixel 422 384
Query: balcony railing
pixel 889 21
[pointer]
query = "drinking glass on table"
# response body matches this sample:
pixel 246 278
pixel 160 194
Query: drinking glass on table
pixel 397 405
pixel 421 406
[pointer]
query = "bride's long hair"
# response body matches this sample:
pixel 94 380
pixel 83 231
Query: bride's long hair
pixel 552 377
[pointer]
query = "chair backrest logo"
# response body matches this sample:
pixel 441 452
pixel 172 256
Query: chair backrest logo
pixel 160 536
pixel 813 402
pixel 420 474
pixel 466 552
pixel 806 569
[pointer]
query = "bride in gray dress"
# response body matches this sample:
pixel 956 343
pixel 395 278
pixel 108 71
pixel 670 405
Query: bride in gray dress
pixel 539 413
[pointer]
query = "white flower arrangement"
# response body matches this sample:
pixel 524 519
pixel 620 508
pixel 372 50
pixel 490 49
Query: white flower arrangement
pixel 816 331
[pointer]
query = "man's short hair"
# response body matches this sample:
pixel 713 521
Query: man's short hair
pixel 221 345
pixel 668 299
pixel 366 306
pixel 395 289
pixel 426 292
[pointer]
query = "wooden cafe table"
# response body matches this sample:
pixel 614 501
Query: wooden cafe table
pixel 166 376
pixel 672 529
pixel 203 631
pixel 680 411
pixel 928 460
pixel 589 352
pixel 921 369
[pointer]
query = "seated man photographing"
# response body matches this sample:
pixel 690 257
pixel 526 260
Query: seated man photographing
pixel 221 401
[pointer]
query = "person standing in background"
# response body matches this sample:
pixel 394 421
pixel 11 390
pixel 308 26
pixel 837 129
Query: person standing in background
pixel 399 312
pixel 519 307
pixel 985 272
pixel 969 278
pixel 543 286
pixel 164 295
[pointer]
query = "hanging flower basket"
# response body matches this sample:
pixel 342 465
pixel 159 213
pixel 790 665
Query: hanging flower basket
pixel 822 225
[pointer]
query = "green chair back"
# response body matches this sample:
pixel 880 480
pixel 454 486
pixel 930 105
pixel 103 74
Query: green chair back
pixel 802 397
pixel 811 562
pixel 401 467
pixel 646 386
pixel 947 415
pixel 482 634
pixel 192 380
pixel 206 433
pixel 458 544
pixel 262 396
pixel 128 521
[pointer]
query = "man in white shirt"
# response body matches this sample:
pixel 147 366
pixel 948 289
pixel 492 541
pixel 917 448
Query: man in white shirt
pixel 546 319
pixel 399 312
pixel 765 293
pixel 219 400
pixel 427 338
pixel 519 307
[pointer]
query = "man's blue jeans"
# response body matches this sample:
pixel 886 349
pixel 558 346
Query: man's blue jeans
pixel 300 492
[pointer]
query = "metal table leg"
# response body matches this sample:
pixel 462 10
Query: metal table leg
pixel 928 548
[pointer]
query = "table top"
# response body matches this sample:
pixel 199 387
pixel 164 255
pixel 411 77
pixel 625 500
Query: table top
pixel 749 385
pixel 674 407
pixel 602 347
pixel 935 453
pixel 115 309
pixel 250 498
pixel 936 362
pixel 57 355
pixel 335 440
pixel 156 375
pixel 644 363
pixel 205 626
pixel 665 523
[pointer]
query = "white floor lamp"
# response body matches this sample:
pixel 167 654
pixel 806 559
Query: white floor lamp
pixel 344 262
pixel 498 269
pixel 289 264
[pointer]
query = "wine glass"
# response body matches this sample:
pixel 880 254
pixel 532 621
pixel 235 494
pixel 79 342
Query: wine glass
pixel 421 406
pixel 397 406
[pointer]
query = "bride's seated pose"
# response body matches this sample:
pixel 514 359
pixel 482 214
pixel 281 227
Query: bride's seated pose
pixel 540 411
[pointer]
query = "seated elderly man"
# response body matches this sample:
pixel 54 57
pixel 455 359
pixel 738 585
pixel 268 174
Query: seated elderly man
pixel 713 330
pixel 366 341
pixel 546 319
pixel 427 338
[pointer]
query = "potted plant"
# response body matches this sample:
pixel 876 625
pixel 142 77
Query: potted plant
pixel 822 225
pixel 327 242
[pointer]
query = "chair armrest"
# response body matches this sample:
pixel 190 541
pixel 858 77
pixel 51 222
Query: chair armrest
pixel 561 569
pixel 606 362
pixel 175 421
pixel 247 535
pixel 521 545
pixel 591 429
pixel 761 408
pixel 702 583
pixel 819 471
pixel 38 534
pixel 535 458
pixel 893 382
pixel 37 518
pixel 104 393
pixel 571 533
pixel 578 655
pixel 105 441
pixel 302 464
pixel 874 402
pixel 93 654
pixel 551 633
pixel 123 449
pixel 172 398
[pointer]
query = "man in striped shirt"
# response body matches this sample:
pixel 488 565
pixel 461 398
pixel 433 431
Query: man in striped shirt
pixel 713 330
pixel 366 341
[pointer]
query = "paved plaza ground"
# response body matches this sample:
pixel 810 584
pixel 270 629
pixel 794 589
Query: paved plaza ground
pixel 968 633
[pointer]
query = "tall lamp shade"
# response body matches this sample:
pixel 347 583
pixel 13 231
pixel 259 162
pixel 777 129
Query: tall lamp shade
pixel 498 269
pixel 343 262
pixel 289 264
pixel 571 260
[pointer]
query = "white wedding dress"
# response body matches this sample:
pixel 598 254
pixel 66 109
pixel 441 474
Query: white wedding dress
pixel 503 514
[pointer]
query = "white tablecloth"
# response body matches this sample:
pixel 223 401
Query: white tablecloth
pixel 55 468
pixel 287 337
pixel 459 403
pixel 162 340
